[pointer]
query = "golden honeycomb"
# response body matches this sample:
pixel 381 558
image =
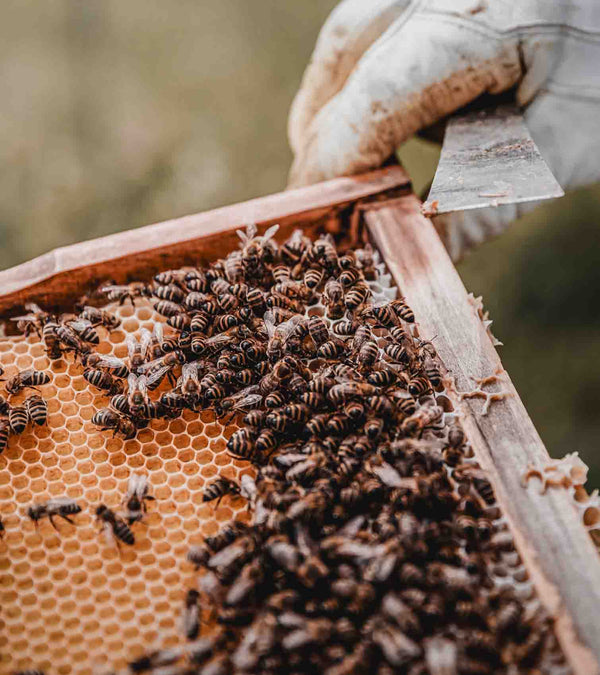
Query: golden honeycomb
pixel 69 602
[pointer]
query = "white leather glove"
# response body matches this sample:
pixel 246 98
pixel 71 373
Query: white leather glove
pixel 385 69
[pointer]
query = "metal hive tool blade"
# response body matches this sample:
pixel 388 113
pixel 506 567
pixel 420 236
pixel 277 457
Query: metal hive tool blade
pixel 489 158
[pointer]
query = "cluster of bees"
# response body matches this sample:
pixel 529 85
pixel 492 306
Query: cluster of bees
pixel 376 543
pixel 15 418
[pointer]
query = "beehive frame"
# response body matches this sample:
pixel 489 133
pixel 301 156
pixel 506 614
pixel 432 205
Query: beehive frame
pixel 560 556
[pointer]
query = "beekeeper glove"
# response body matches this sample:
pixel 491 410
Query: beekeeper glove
pixel 383 70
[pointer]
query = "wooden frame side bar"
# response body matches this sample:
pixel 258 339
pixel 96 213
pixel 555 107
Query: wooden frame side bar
pixel 558 552
pixel 66 272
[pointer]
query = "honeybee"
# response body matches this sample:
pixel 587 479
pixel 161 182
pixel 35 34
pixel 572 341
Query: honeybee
pixel 181 321
pixel 168 309
pixel 422 418
pixel 266 441
pixel 51 340
pixel 115 365
pixel 191 614
pixel 324 250
pixel 345 328
pixel 313 278
pixel 244 400
pixel 432 372
pixel 418 386
pixel 85 330
pixel 333 295
pixel 103 380
pixel 156 370
pixel 256 301
pixel 173 400
pixel 27 379
pixel 173 276
pixel 403 310
pixel 344 391
pixel 4 433
pixel 18 419
pixel 110 419
pixel 189 383
pixel 356 296
pixel 136 498
pixel 282 301
pixel 120 404
pixel 368 354
pixel 382 313
pixel 71 340
pixel 295 246
pixel 61 507
pixel 4 406
pixel 138 350
pixel 256 249
pixel 317 329
pixel 115 528
pixel 349 277
pixel 219 488
pixel 241 444
pixel 278 334
pixel 34 321
pixel 200 323
pixel 122 293
pixel 137 396
pixel 382 378
pixel 170 292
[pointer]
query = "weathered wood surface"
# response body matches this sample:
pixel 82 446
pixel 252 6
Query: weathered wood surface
pixel 558 552
pixel 66 273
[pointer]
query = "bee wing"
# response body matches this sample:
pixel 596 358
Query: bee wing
pixel 249 401
pixel 132 381
pixel 288 326
pixel 248 488
pixel 156 375
pixel 269 321
pixel 243 393
pixel 220 339
pixel 157 332
pixel 112 287
pixel 137 484
pixel 24 317
pixel 33 307
pixel 190 371
pixel 142 384
pixel 131 344
pixel 79 324
pixel 145 340
pixel 151 365
pixel 59 501
pixel 248 234
pixel 111 362
pixel 132 484
pixel 270 233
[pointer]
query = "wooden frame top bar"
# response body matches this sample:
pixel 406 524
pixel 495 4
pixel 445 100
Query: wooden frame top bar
pixel 66 272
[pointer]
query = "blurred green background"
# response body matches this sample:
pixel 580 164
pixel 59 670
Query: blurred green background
pixel 118 114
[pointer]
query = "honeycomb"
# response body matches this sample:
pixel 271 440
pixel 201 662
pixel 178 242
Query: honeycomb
pixel 69 602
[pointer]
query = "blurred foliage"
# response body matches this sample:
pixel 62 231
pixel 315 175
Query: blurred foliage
pixel 119 114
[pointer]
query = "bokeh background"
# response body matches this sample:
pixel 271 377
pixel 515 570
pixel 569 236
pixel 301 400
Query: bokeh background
pixel 117 114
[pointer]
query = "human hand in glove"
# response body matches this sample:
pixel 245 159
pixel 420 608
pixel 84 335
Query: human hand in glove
pixel 383 70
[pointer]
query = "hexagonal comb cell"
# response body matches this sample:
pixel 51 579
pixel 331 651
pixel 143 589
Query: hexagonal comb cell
pixel 70 602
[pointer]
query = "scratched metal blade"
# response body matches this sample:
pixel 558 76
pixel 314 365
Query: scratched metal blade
pixel 488 158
